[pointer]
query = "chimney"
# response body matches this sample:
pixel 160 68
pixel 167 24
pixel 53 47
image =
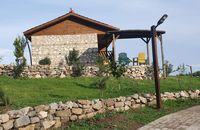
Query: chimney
pixel 71 10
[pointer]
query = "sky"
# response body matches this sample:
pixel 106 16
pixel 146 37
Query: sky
pixel 181 41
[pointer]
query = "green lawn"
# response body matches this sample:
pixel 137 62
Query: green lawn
pixel 132 119
pixel 30 92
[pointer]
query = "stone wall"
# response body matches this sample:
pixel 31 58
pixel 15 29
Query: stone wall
pixel 38 71
pixel 56 47
pixel 55 115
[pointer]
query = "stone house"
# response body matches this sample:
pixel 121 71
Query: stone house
pixel 56 38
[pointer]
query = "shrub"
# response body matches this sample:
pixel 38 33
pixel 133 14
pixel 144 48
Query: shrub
pixel 169 68
pixel 4 100
pixel 73 57
pixel 196 74
pixel 20 59
pixel 102 67
pixel 73 60
pixel 45 61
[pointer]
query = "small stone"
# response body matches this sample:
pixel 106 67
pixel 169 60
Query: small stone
pixel 97 106
pixel 8 125
pixel 119 104
pixel 25 110
pixel 4 118
pixel 135 96
pixel 58 123
pixel 14 114
pixel 184 94
pixel 90 115
pixel 128 103
pixel 126 108
pixel 32 114
pixel 143 100
pixel 77 111
pixel 48 124
pixel 35 120
pixel 41 108
pixel 37 76
pixel 197 92
pixel 62 75
pixel 84 102
pixel 88 110
pixel 69 104
pixel 22 121
pixel 109 103
pixel 42 114
pixel 121 99
pixel 73 117
pixel 81 117
pixel 53 106
pixel 64 113
pixel 75 105
pixel 30 127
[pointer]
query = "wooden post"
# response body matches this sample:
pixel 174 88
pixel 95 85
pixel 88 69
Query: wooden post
pixel 155 64
pixel 163 58
pixel 148 57
pixel 113 47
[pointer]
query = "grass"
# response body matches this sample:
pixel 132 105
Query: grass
pixel 31 92
pixel 132 119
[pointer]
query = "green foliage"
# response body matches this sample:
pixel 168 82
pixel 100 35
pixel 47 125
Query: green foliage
pixel 169 68
pixel 181 69
pixel 45 61
pixel 77 69
pixel 20 60
pixel 73 60
pixel 103 69
pixel 4 99
pixel 73 57
pixel 196 74
pixel 117 70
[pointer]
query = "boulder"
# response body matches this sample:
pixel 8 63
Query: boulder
pixel 119 104
pixel 97 106
pixel 64 113
pixel 4 118
pixel 22 121
pixel 8 125
pixel 135 96
pixel 41 108
pixel 143 100
pixel 73 117
pixel 109 103
pixel 35 120
pixel 53 106
pixel 184 94
pixel 29 127
pixel 90 115
pixel 32 114
pixel 25 110
pixel 77 111
pixel 42 114
pixel 48 124
pixel 14 114
pixel 83 102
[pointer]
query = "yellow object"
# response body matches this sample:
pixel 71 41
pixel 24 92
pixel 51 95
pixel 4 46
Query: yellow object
pixel 141 58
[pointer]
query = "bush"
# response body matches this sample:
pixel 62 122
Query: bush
pixel 4 100
pixel 73 60
pixel 196 74
pixel 45 61
pixel 19 45
pixel 73 57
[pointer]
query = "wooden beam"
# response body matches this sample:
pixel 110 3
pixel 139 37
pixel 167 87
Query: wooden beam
pixel 147 44
pixel 162 55
pixel 113 46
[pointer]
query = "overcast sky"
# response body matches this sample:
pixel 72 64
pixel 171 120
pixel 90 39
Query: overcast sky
pixel 181 41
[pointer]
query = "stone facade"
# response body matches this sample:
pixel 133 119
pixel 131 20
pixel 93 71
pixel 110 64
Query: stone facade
pixel 38 71
pixel 55 115
pixel 56 47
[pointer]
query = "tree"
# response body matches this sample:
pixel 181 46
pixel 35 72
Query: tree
pixel 20 59
pixel 1 58
pixel 169 68
pixel 73 60
pixel 117 71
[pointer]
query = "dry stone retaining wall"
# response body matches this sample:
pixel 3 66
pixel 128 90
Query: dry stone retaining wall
pixel 55 115
pixel 38 71
pixel 56 47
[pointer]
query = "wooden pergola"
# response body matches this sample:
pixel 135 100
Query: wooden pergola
pixel 144 35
